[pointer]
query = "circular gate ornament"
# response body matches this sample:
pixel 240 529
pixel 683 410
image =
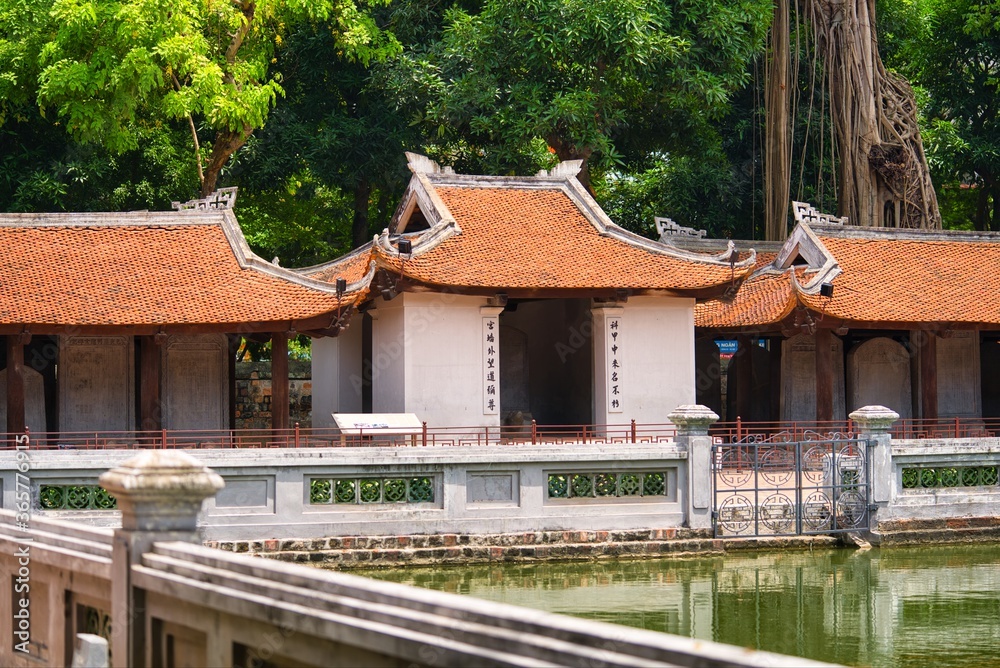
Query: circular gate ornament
pixel 777 466
pixel 735 514
pixel 815 464
pixel 777 513
pixel 735 467
pixel 851 510
pixel 816 512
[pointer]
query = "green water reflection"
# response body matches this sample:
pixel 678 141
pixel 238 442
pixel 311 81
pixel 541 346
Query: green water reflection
pixel 904 607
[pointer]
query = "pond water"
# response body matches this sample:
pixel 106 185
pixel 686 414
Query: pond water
pixel 921 607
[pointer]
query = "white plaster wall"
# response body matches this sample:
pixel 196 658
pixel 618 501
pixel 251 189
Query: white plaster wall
pixel 444 359
pixel 325 381
pixel 350 367
pixel 658 357
pixel 336 375
pixel 389 356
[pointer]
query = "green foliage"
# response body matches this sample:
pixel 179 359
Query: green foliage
pixel 296 223
pixel 337 134
pixel 951 50
pixel 113 70
pixel 703 193
pixel 41 169
pixel 584 75
pixel 106 62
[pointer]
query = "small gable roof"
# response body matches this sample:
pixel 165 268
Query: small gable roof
pixel 525 236
pixel 881 278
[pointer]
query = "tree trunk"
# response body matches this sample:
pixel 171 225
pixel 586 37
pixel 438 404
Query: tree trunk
pixel 874 116
pixel 778 132
pixel 226 143
pixel 359 229
pixel 567 151
pixel 982 201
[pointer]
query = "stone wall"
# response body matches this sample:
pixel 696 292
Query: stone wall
pixel 253 394
pixel 310 492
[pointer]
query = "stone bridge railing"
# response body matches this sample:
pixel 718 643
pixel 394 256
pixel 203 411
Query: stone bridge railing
pixel 146 594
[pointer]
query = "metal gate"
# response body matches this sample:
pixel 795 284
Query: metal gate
pixel 773 487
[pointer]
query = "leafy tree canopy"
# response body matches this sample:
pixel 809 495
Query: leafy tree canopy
pixel 108 68
pixel 950 49
pixel 586 76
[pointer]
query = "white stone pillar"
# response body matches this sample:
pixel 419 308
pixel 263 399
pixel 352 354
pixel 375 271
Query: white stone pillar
pixel 160 494
pixel 874 423
pixel 692 423
pixel 609 376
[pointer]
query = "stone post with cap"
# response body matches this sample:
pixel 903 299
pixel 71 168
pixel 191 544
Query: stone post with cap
pixel 160 494
pixel 874 423
pixel 692 422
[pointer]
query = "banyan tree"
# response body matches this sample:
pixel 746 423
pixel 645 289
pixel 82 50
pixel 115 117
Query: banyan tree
pixel 866 124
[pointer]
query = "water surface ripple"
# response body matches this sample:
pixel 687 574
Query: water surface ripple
pixel 905 607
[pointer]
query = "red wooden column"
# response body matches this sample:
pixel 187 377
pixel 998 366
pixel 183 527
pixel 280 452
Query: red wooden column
pixel 744 376
pixel 233 349
pixel 927 357
pixel 824 375
pixel 279 381
pixel 150 404
pixel 15 385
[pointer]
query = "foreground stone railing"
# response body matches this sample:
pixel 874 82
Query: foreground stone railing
pixel 153 597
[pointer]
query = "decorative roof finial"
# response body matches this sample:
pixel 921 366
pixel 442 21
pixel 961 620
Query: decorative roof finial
pixel 223 198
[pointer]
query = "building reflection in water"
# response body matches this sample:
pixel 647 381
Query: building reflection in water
pixel 905 607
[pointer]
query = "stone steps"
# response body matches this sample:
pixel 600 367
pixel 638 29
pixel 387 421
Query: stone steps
pixel 952 530
pixel 346 552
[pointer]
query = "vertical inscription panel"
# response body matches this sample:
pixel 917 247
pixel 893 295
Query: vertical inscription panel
pixel 491 364
pixel 196 382
pixel 614 357
pixel 96 388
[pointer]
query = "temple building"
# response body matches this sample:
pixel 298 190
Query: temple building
pixel 842 316
pixel 128 322
pixel 500 300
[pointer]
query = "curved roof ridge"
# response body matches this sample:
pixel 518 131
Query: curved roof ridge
pixel 329 264
pixel 113 219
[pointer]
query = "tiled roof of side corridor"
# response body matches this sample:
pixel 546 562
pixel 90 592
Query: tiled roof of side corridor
pixel 886 277
pixel 129 269
pixel 355 268
pixel 538 233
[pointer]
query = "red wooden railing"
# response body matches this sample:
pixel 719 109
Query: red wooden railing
pixel 303 437
pixel 533 433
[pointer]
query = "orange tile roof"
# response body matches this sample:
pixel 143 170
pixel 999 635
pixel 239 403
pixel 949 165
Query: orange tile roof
pixel 144 269
pixel 352 267
pixel 538 237
pixel 913 280
pixel 763 299
pixel 887 278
